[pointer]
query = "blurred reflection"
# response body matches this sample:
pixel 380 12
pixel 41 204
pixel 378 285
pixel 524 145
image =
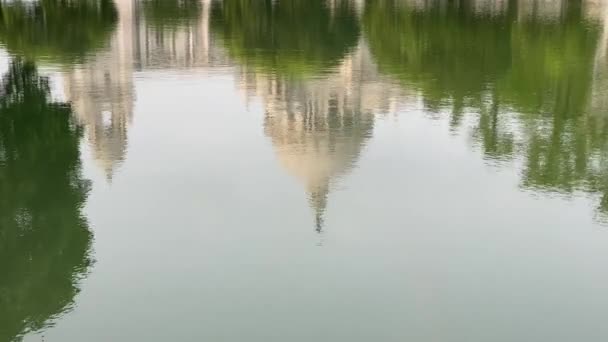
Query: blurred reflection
pixel 44 240
pixel 319 126
pixel 528 77
pixel 296 37
pixel 174 34
pixel 56 30
pixel 149 35
pixel 318 131
pixel 444 49
pixel 171 13
pixel 102 94
pixel 99 86
pixel 526 71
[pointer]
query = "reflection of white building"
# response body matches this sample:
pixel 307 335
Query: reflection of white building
pixel 102 90
pixel 358 5
pixel 102 95
pixel 319 126
pixel 182 44
pixel 540 9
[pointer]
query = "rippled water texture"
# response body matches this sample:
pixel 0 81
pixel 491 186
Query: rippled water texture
pixel 303 170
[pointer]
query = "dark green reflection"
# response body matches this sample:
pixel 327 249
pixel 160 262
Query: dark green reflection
pixel 290 37
pixel 527 77
pixel 445 50
pixel 57 30
pixel 44 240
pixel 551 84
pixel 171 13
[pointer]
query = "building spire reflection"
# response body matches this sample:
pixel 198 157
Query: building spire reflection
pixel 318 202
pixel 319 126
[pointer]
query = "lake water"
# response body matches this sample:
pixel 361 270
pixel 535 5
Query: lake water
pixel 304 170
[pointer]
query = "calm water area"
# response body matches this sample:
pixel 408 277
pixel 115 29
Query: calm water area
pixel 304 170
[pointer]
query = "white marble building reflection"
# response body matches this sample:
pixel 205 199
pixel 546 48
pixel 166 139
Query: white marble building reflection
pixel 102 90
pixel 102 94
pixel 319 126
pixel 179 44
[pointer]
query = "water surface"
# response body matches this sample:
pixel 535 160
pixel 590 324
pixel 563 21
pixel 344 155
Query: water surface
pixel 297 170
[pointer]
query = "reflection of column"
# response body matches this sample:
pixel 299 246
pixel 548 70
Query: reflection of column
pixel 358 5
pixel 319 126
pixel 599 102
pixel 540 9
pixel 491 7
pixel 495 7
pixel 178 43
pixel 102 95
pixel 546 9
pixel 555 9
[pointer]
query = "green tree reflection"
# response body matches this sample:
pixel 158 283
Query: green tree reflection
pixel 44 239
pixel 295 38
pixel 56 30
pixel 527 78
pixel 445 50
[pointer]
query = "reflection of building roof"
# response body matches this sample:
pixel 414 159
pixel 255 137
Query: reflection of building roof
pixel 319 126
pixel 317 147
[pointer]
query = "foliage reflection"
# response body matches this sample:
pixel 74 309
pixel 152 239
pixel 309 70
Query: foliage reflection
pixel 526 78
pixel 58 30
pixel 44 240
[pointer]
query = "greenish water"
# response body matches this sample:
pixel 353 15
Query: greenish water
pixel 297 170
